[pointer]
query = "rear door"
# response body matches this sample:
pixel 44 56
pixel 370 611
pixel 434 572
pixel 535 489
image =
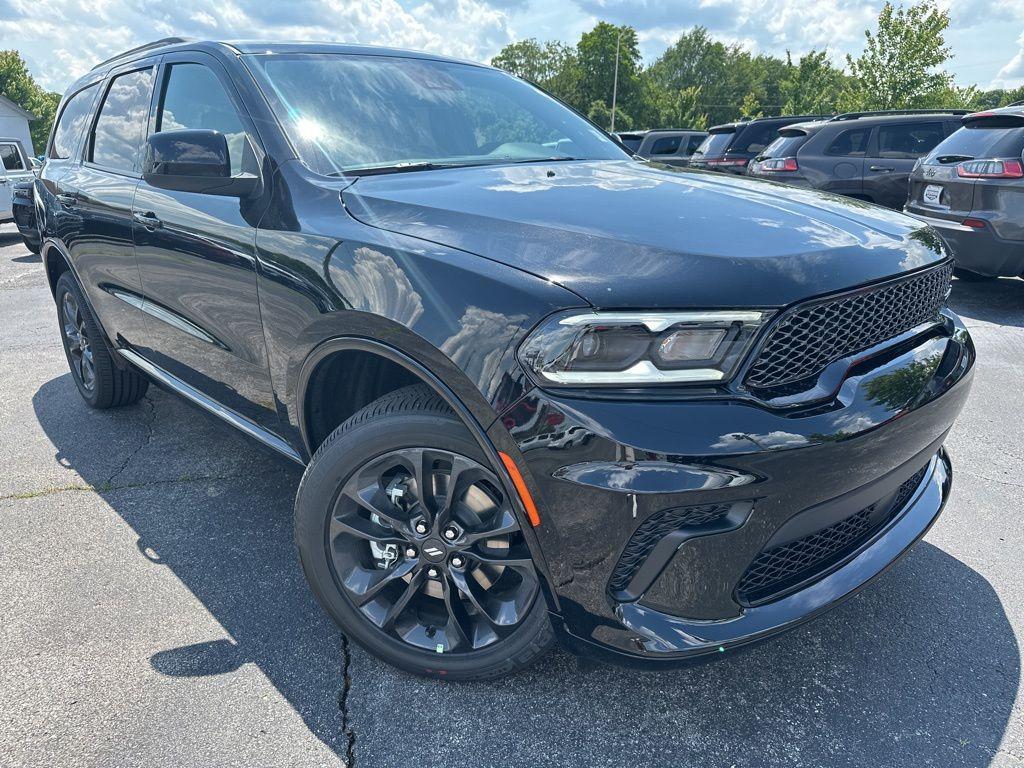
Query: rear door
pixel 13 168
pixel 197 253
pixel 892 153
pixel 93 212
pixel 6 209
pixel 837 162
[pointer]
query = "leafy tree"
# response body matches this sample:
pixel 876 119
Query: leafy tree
pixel 18 85
pixel 899 68
pixel 553 66
pixel 664 108
pixel 601 114
pixel 811 86
pixel 596 57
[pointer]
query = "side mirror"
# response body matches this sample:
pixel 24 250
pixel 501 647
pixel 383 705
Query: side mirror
pixel 194 161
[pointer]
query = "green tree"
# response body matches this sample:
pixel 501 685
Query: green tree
pixel 601 114
pixel 596 58
pixel 553 66
pixel 19 86
pixel 665 108
pixel 900 67
pixel 811 86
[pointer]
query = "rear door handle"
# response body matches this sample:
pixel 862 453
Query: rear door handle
pixel 67 198
pixel 149 219
pixel 882 168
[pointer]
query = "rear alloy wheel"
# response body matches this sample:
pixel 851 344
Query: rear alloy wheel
pixel 101 383
pixel 411 543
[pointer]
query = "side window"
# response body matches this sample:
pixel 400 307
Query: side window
pixel 11 158
pixel 908 141
pixel 668 145
pixel 695 141
pixel 121 126
pixel 194 98
pixel 72 123
pixel 850 143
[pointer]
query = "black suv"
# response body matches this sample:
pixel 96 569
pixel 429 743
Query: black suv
pixel 729 147
pixel 540 389
pixel 971 189
pixel 671 146
pixel 867 155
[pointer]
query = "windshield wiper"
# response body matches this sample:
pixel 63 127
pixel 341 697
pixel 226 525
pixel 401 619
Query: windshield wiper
pixel 947 159
pixel 374 170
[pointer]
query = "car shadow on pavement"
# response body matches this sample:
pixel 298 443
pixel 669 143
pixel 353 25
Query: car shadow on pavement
pixel 921 668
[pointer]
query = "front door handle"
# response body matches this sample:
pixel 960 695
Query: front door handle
pixel 882 168
pixel 148 219
pixel 67 198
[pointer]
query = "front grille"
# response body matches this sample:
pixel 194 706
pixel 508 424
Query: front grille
pixel 781 567
pixel 654 529
pixel 814 335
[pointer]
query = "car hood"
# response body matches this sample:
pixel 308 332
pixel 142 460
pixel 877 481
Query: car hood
pixel 631 234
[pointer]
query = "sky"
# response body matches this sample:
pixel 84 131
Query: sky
pixel 62 39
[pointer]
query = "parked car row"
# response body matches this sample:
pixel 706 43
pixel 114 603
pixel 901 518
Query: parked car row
pixel 672 146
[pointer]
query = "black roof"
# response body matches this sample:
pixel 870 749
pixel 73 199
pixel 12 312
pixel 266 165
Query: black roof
pixel 737 124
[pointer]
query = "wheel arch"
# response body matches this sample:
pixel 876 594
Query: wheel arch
pixel 329 350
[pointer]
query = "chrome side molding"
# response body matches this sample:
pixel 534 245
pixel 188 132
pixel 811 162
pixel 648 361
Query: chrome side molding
pixel 189 392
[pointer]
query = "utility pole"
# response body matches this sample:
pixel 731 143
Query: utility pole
pixel 615 81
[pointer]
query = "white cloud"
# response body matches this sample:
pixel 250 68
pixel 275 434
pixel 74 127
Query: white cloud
pixel 62 39
pixel 1012 73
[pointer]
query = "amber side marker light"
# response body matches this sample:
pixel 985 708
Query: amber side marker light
pixel 521 489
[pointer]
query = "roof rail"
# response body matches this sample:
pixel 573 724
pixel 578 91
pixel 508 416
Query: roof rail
pixel 148 46
pixel 1016 104
pixel 881 112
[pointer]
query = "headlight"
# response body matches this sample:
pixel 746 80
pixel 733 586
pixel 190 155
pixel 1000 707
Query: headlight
pixel 625 349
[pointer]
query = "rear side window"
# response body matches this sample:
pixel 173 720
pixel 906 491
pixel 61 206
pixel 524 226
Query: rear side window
pixel 977 141
pixel 908 141
pixel 715 143
pixel 785 146
pixel 852 142
pixel 72 123
pixel 695 141
pixel 668 145
pixel 755 137
pixel 121 126
pixel 11 158
pixel 194 98
pixel 632 143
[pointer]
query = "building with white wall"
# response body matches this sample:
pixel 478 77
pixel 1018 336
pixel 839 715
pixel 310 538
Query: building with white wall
pixel 14 124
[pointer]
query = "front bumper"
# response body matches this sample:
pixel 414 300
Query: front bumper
pixel 604 469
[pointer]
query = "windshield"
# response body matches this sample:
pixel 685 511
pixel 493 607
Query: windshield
pixel 976 141
pixel 715 144
pixel 350 113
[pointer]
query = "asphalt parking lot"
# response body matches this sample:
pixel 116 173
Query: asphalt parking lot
pixel 152 611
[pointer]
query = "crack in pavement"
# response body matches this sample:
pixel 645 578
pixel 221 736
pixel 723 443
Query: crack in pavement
pixel 107 487
pixel 145 442
pixel 346 729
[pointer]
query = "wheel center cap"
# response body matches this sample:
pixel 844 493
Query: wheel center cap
pixel 434 550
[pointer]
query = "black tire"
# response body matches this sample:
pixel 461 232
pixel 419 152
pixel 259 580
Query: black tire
pixel 100 382
pixel 972 277
pixel 409 417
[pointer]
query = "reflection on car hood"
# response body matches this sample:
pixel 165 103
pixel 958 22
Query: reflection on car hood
pixel 629 234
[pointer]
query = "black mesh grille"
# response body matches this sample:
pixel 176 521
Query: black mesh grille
pixel 777 568
pixel 654 529
pixel 807 339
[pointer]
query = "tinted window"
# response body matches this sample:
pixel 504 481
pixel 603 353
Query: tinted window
pixel 785 146
pixel 348 112
pixel 715 144
pixel 977 142
pixel 695 141
pixel 194 98
pixel 755 137
pixel 121 125
pixel 72 123
pixel 852 143
pixel 11 157
pixel 667 145
pixel 909 140
pixel 632 143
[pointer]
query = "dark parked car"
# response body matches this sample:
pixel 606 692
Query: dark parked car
pixel 23 205
pixel 971 189
pixel 540 389
pixel 671 147
pixel 867 155
pixel 731 146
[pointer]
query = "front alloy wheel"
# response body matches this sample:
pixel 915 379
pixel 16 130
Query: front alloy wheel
pixel 410 542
